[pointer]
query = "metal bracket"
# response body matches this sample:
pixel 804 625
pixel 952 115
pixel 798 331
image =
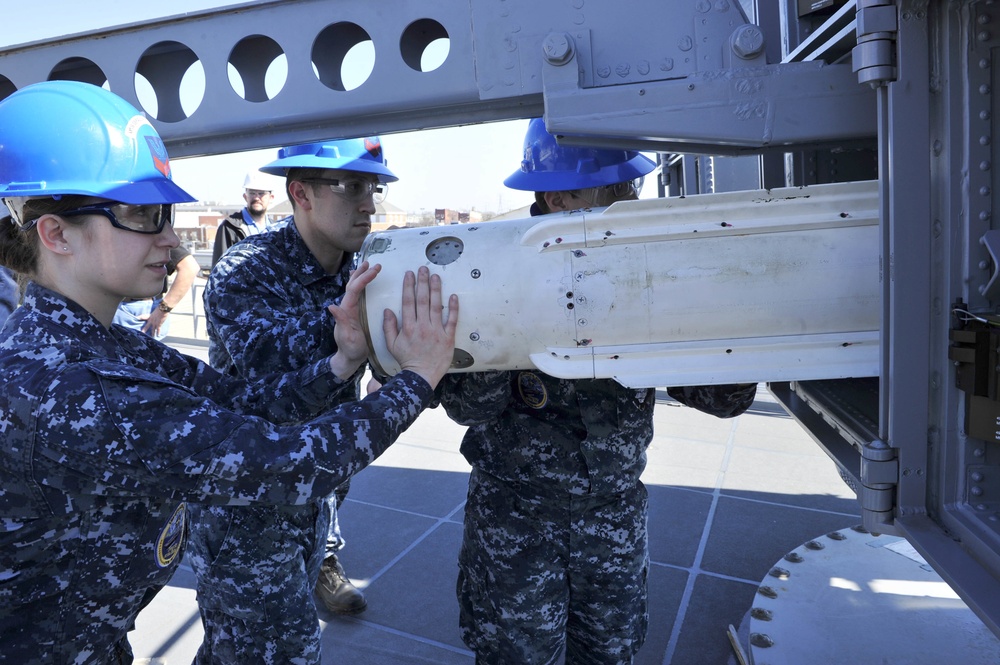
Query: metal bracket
pixel 732 111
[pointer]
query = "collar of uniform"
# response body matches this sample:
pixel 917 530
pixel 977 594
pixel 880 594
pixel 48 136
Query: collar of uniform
pixel 307 269
pixel 65 312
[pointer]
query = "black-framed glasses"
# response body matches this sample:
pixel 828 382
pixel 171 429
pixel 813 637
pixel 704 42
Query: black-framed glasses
pixel 149 218
pixel 354 190
pixel 605 195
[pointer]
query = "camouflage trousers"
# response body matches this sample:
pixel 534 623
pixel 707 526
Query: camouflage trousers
pixel 540 575
pixel 257 568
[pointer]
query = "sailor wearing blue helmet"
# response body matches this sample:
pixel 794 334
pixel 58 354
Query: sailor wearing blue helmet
pixel 107 435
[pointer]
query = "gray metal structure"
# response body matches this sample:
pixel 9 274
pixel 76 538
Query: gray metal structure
pixel 899 90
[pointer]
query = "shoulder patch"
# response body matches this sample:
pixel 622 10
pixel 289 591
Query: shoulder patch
pixel 532 390
pixel 171 538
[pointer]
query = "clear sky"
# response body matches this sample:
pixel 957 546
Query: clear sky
pixel 431 173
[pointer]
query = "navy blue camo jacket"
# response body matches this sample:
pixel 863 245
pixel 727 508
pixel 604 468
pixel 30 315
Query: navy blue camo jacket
pixel 567 436
pixel 105 434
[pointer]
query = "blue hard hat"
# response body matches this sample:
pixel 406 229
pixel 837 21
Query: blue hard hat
pixel 549 167
pixel 67 137
pixel 363 155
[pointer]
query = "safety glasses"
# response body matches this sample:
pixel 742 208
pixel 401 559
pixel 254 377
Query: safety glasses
pixel 128 217
pixel 354 190
pixel 599 197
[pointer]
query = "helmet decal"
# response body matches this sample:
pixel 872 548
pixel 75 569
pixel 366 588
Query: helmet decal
pixel 374 147
pixel 159 155
pixel 133 125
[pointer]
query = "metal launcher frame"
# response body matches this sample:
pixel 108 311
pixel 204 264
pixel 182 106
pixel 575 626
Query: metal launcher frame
pixel 733 96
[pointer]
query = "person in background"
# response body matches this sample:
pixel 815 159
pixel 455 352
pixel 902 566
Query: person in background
pixel 250 220
pixel 8 294
pixel 109 435
pixel 554 555
pixel 150 314
pixel 265 307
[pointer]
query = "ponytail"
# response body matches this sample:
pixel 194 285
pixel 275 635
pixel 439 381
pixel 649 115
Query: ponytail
pixel 19 246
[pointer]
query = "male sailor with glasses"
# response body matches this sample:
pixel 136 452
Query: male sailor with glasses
pixel 554 559
pixel 150 315
pixel 266 309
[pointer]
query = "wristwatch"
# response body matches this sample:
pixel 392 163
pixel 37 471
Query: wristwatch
pixel 164 307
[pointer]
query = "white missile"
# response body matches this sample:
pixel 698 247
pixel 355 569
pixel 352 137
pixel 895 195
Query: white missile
pixel 768 285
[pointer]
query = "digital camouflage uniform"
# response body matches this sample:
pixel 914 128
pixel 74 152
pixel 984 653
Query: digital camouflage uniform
pixel 107 433
pixel 266 306
pixel 555 547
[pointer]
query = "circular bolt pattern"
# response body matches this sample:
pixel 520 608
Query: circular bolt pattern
pixel 767 592
pixel 443 251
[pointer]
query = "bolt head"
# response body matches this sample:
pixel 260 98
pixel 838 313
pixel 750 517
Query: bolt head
pixel 557 47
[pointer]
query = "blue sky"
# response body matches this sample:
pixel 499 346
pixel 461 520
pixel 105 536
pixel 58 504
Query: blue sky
pixel 431 174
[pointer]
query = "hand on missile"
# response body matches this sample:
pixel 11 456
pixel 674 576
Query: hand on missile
pixel 421 342
pixel 352 344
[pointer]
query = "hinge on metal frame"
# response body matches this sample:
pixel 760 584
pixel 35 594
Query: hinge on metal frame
pixel 879 479
pixel 874 58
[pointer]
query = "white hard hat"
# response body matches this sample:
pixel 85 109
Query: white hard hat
pixel 258 180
